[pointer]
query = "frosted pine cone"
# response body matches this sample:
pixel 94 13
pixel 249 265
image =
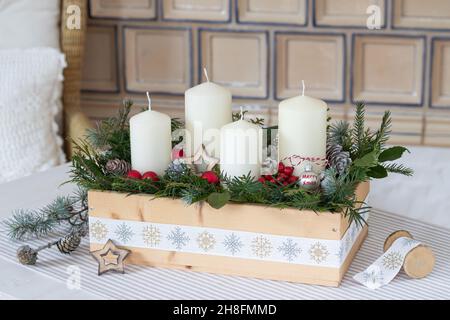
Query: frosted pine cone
pixel 117 166
pixel 27 255
pixel 337 158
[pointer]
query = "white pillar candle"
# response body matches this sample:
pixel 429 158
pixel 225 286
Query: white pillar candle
pixel 241 149
pixel 302 126
pixel 150 140
pixel 207 109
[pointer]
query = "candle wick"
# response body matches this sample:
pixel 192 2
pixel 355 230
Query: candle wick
pixel 303 87
pixel 206 74
pixel 242 113
pixel 149 101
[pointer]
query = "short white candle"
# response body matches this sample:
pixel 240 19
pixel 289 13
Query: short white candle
pixel 207 109
pixel 302 126
pixel 151 141
pixel 241 149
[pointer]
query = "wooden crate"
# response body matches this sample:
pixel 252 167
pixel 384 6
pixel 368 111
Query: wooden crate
pixel 269 243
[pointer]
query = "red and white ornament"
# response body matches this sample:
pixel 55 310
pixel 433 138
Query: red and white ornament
pixel 308 179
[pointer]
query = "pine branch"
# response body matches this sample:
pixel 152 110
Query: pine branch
pixel 398 168
pixel 70 210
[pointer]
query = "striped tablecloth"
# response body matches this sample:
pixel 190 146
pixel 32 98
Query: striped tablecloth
pixel 154 283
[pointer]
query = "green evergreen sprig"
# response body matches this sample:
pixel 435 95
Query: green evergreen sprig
pixel 70 211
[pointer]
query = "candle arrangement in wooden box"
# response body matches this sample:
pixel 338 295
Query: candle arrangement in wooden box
pixel 229 195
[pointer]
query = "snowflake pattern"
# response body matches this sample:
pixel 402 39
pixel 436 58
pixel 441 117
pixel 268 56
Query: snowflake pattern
pixel 261 247
pixel 98 230
pixel 124 232
pixel 290 250
pixel 318 252
pixel 233 243
pixel 372 278
pixel 392 260
pixel 178 238
pixel 341 252
pixel 206 241
pixel 151 235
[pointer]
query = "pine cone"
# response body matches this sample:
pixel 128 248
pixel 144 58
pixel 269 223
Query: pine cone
pixel 117 166
pixel 338 159
pixel 69 243
pixel 27 255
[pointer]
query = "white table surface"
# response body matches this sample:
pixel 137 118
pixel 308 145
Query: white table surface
pixel 18 282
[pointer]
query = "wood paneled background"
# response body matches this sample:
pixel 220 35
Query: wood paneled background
pixel 262 49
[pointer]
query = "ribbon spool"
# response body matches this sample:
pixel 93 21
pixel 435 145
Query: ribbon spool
pixel 419 262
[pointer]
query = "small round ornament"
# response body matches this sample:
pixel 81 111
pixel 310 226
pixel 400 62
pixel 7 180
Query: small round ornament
pixel 211 177
pixel 134 174
pixel 150 175
pixel 308 179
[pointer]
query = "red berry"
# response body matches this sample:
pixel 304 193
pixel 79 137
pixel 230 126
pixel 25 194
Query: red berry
pixel 292 179
pixel 288 171
pixel 285 183
pixel 134 174
pixel 280 167
pixel 271 179
pixel 268 177
pixel 150 175
pixel 211 177
pixel 282 176
pixel 262 180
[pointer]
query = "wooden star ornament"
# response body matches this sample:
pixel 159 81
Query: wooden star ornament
pixel 110 258
pixel 201 161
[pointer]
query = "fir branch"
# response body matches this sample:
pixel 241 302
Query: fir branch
pixel 359 133
pixel 245 189
pixel 113 135
pixel 398 168
pixel 382 135
pixel 358 124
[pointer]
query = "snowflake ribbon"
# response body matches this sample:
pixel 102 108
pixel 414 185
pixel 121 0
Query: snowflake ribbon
pixel 386 267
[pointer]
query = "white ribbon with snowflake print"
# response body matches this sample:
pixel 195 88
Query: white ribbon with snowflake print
pixel 221 242
pixel 386 267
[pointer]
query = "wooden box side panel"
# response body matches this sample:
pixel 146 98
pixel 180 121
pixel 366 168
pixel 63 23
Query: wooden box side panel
pixel 244 267
pixel 240 217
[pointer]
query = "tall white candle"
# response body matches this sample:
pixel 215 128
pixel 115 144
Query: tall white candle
pixel 241 149
pixel 302 126
pixel 207 109
pixel 150 139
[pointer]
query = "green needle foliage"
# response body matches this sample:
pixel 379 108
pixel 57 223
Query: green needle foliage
pixel 70 211
pixel 371 158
